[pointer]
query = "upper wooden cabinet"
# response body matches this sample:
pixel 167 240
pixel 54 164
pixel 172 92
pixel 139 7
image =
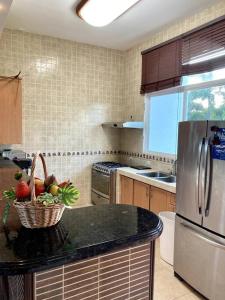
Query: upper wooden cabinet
pixel 141 194
pixel 10 111
pixel 161 67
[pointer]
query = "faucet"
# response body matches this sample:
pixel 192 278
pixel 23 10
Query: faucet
pixel 174 168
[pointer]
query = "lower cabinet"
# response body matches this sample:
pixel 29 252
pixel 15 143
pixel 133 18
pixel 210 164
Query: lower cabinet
pixel 171 202
pixel 140 194
pixel 158 200
pixel 126 187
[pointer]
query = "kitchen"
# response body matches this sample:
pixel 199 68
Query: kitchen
pixel 75 80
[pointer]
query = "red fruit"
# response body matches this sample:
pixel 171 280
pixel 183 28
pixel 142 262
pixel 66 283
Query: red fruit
pixel 64 184
pixel 39 187
pixel 22 188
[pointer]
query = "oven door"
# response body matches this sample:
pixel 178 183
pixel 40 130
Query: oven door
pixel 100 183
pixel 97 199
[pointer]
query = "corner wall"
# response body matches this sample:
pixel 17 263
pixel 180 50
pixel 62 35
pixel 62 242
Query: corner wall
pixel 132 141
pixel 69 89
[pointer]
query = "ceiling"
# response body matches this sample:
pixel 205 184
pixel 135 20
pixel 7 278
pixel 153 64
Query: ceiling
pixel 57 18
pixel 4 10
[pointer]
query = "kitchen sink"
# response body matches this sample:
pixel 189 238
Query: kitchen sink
pixel 154 174
pixel 169 179
pixel 160 176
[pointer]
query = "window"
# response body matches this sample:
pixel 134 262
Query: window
pixel 163 112
pixel 201 97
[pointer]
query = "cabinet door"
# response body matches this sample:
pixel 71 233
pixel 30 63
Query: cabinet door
pixel 141 194
pixel 171 202
pixel 169 61
pixel 126 187
pixel 10 112
pixel 150 67
pixel 158 200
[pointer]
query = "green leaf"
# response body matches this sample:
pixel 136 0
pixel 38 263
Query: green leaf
pixel 10 194
pixel 6 212
pixel 68 195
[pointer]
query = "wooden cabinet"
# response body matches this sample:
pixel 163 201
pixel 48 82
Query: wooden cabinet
pixel 158 200
pixel 141 194
pixel 11 111
pixel 171 202
pixel 126 186
pixel 146 196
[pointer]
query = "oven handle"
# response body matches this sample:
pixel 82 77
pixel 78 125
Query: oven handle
pixel 99 173
pixel 100 194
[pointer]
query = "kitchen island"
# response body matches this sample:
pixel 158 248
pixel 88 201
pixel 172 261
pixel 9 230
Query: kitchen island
pixel 97 252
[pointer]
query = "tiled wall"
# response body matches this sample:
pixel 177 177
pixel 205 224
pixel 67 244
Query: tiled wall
pixel 132 141
pixel 121 274
pixel 69 89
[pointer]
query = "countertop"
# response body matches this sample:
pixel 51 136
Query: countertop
pixel 82 233
pixel 6 163
pixel 136 174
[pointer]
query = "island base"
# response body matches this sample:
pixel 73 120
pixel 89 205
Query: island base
pixel 126 273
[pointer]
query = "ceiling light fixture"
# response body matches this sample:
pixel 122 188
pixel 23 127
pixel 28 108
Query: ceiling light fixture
pixel 102 12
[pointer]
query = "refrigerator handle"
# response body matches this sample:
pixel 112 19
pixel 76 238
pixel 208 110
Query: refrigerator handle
pixel 203 237
pixel 207 176
pixel 198 185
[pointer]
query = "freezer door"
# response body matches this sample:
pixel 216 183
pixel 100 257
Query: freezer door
pixel 189 168
pixel 214 199
pixel 199 258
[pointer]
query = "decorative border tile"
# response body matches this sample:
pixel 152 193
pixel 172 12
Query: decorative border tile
pixel 75 153
pixel 148 156
pixel 105 152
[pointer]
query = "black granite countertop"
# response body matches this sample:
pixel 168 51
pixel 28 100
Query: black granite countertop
pixel 6 163
pixel 82 233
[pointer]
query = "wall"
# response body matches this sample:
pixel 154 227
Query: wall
pixel 132 141
pixel 69 89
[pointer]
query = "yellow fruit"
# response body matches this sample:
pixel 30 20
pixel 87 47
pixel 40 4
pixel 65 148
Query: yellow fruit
pixel 53 190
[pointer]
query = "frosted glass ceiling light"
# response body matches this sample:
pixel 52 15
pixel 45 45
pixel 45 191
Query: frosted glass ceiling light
pixel 102 12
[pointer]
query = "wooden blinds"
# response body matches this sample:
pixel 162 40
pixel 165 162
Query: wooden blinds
pixel 204 50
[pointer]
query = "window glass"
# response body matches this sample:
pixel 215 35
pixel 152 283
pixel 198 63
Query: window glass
pixel 165 112
pixel 204 77
pixel 205 104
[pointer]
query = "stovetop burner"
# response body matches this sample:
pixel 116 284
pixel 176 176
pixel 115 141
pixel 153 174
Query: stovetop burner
pixel 107 166
pixel 111 164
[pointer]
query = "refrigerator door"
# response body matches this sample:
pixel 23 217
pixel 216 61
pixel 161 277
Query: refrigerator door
pixel 214 200
pixel 189 169
pixel 200 259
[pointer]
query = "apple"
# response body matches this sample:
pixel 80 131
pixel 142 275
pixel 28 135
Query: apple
pixel 39 186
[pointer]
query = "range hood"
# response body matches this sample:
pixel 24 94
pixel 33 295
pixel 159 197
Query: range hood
pixel 129 124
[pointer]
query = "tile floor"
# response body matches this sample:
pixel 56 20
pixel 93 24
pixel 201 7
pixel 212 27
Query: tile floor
pixel 168 287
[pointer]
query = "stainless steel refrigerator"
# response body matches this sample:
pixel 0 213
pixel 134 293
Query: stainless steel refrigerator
pixel 199 250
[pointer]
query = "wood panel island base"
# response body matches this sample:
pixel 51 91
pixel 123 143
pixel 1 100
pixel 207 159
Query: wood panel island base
pixel 100 252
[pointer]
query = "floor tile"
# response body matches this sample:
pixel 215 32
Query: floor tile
pixel 168 287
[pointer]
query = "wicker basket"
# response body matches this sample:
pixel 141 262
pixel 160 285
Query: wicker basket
pixel 33 214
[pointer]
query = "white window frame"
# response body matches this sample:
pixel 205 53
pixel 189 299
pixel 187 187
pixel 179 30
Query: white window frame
pixel 179 89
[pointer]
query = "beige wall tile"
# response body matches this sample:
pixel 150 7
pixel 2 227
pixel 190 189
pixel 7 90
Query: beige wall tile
pixel 69 89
